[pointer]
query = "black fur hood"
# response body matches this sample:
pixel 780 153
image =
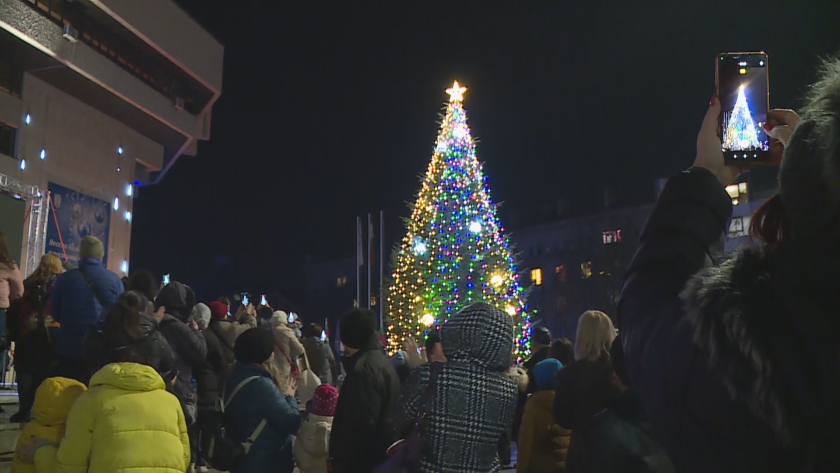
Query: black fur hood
pixel 769 322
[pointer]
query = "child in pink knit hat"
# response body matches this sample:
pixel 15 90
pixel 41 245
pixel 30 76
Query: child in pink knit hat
pixel 312 444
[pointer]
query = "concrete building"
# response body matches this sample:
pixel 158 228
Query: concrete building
pixel 96 97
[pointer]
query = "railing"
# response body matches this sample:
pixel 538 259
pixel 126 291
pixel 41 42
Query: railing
pixel 64 12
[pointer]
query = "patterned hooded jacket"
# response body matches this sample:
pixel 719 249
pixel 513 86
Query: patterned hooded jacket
pixel 473 401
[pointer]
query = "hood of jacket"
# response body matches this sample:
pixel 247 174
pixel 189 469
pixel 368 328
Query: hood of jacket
pixel 201 315
pixel 54 398
pixel 769 324
pixel 178 299
pixel 128 377
pixel 479 334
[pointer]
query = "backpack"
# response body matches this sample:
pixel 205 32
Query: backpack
pixel 224 452
pixel 35 299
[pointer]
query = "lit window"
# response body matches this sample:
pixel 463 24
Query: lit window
pixel 612 236
pixel 737 192
pixel 373 301
pixel 536 277
pixel 341 281
pixel 739 227
pixel 586 270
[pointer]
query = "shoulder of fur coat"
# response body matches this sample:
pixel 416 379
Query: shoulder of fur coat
pixel 519 376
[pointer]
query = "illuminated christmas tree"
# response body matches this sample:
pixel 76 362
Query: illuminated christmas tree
pixel 454 252
pixel 741 132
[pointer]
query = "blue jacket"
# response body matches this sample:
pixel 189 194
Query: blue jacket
pixel 75 306
pixel 261 399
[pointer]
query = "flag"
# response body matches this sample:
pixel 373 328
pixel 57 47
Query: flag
pixel 360 252
pixel 370 242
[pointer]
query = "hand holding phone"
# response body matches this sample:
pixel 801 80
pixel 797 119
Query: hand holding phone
pixel 245 301
pixel 743 92
pixel 323 336
pixel 291 318
pixel 166 279
pixel 263 302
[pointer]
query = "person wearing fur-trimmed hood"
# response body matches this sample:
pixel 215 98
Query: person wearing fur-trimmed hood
pixel 736 359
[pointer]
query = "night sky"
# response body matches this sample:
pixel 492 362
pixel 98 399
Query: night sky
pixel 329 110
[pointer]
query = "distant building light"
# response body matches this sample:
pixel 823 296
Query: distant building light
pixel 119 150
pixel 128 216
pixel 22 164
pixel 42 154
pixel 612 236
pixel 116 203
pixel 536 276
pixel 124 267
pixel 129 190
pixel 27 119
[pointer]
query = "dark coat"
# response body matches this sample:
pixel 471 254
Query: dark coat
pixel 362 429
pixel 618 440
pixel 208 374
pixel 260 399
pixel 321 357
pixel 75 306
pixel 610 432
pixel 190 349
pixel 473 402
pixel 153 348
pixel 740 374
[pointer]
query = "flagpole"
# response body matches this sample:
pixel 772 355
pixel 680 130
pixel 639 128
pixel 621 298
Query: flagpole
pixel 370 255
pixel 381 270
pixel 359 256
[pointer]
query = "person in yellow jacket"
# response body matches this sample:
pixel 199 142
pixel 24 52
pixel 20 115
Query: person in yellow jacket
pixel 126 421
pixel 543 444
pixel 53 400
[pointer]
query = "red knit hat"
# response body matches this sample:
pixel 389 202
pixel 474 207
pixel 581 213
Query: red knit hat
pixel 324 401
pixel 218 310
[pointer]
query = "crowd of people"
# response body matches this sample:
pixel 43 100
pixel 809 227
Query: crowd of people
pixel 724 365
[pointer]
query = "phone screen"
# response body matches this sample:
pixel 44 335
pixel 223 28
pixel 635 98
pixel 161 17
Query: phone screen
pixel 165 279
pixel 245 300
pixel 743 94
pixel 263 301
pixel 291 317
pixel 323 336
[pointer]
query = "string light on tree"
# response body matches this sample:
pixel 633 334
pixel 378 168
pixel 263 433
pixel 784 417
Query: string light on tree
pixel 454 252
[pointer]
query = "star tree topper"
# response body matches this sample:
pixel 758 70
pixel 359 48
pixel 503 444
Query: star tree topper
pixel 456 92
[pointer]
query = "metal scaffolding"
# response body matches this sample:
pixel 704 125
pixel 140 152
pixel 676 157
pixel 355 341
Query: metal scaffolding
pixel 36 220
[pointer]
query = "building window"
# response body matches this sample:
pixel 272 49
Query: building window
pixel 373 301
pixel 7 139
pixel 737 192
pixel 341 281
pixel 586 270
pixel 536 277
pixel 739 227
pixel 11 77
pixel 561 273
pixel 612 236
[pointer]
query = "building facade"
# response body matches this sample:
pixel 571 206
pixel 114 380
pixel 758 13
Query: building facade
pixel 97 97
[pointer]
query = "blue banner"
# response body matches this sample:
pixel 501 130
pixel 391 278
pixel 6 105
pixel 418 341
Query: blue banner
pixel 78 215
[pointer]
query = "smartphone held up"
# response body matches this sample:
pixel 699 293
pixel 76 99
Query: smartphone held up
pixel 743 91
